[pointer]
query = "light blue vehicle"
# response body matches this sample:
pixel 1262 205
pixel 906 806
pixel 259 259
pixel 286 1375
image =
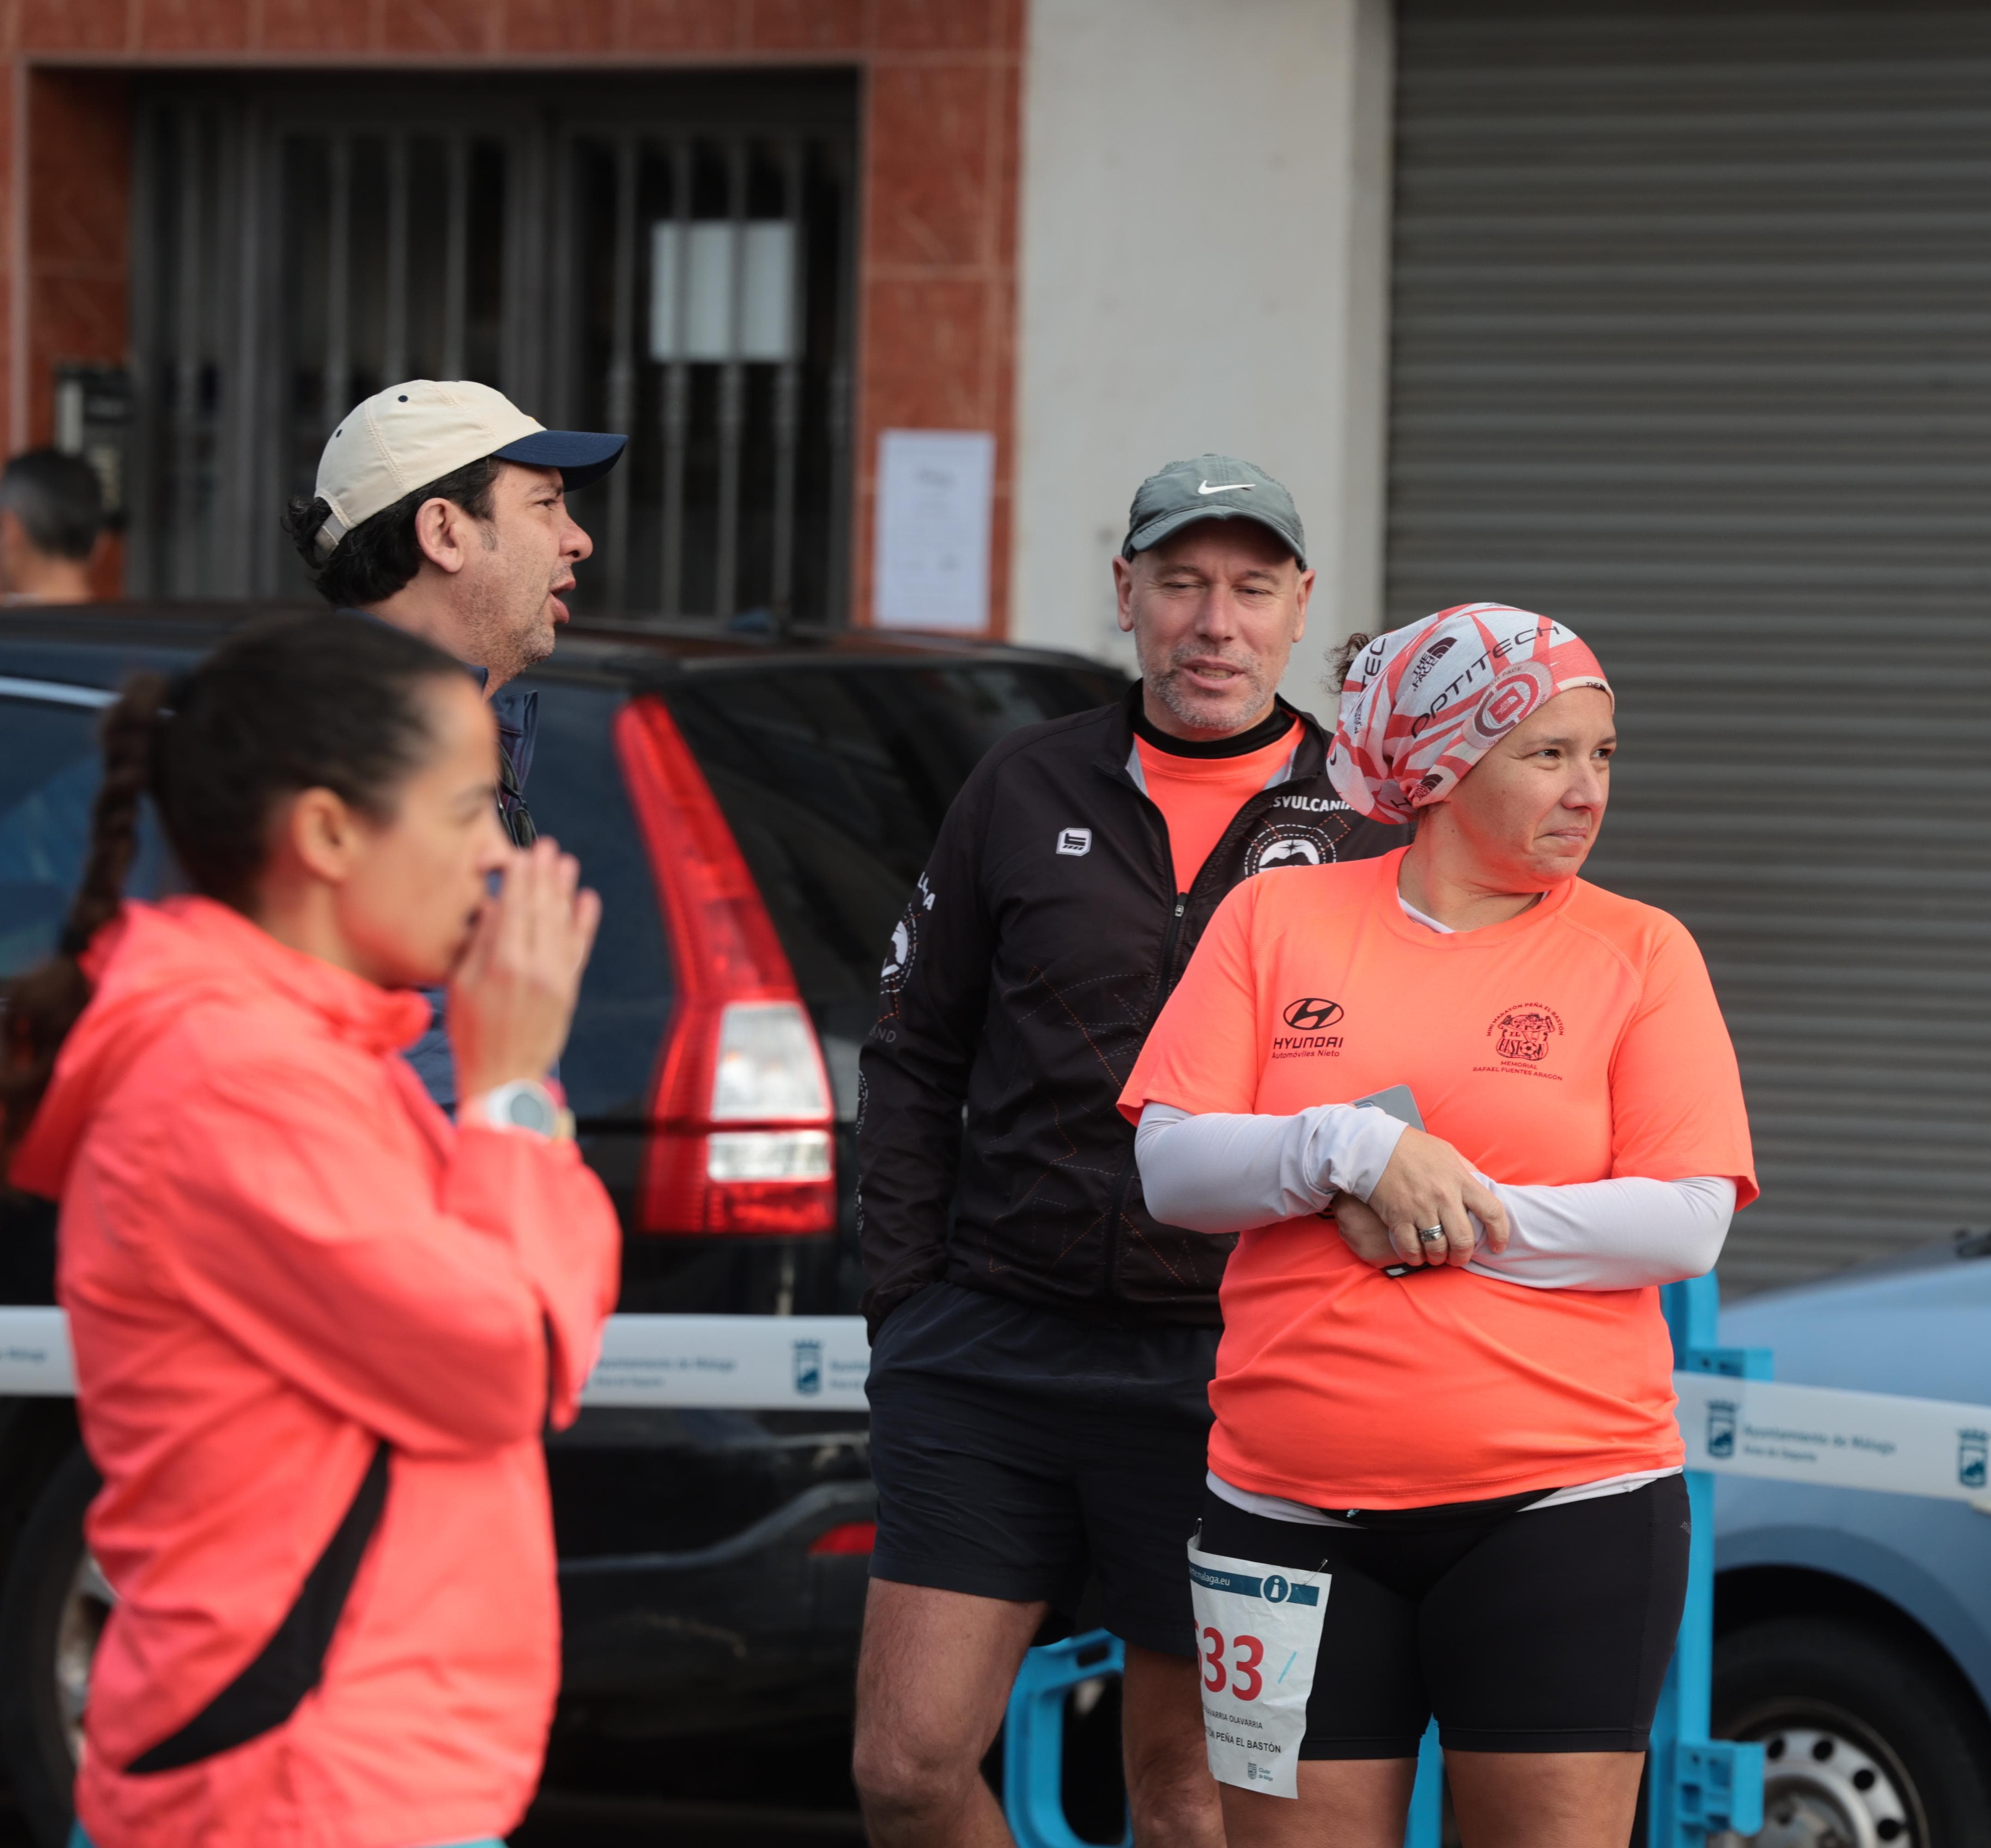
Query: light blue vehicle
pixel 1854 1629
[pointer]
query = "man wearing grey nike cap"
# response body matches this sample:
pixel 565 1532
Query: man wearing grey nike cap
pixel 1042 1346
pixel 441 508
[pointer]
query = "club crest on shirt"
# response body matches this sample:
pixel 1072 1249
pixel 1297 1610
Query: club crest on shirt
pixel 1284 843
pixel 1522 1034
pixel 905 946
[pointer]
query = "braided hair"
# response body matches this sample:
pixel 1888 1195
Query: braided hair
pixel 41 1006
pixel 327 702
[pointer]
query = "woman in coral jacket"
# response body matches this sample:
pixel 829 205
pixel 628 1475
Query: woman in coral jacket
pixel 319 1329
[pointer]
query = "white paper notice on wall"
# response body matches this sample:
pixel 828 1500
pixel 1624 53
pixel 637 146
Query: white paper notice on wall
pixel 930 566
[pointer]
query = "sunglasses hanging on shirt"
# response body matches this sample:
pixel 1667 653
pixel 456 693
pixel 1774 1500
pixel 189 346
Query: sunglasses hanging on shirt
pixel 511 809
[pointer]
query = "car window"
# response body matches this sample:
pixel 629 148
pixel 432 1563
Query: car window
pixel 49 774
pixel 835 780
pixel 576 795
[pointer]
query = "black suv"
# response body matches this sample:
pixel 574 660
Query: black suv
pixel 754 813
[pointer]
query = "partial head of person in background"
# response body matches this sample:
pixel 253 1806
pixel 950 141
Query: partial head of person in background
pixel 441 508
pixel 51 521
pixel 333 782
pixel 1213 585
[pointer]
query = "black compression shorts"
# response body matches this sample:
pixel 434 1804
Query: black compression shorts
pixel 1536 1630
pixel 1017 1453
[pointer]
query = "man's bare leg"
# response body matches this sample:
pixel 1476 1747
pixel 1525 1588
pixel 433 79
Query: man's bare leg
pixel 1549 1799
pixel 934 1676
pixel 1169 1788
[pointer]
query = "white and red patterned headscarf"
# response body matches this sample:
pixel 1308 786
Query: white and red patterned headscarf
pixel 1424 703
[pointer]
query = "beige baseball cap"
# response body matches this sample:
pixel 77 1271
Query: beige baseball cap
pixel 415 432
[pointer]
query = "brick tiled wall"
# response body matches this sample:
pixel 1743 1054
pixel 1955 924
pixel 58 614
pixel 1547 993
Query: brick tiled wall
pixel 937 276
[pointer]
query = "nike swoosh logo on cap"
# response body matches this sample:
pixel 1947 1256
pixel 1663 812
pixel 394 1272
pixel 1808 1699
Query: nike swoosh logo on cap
pixel 1221 487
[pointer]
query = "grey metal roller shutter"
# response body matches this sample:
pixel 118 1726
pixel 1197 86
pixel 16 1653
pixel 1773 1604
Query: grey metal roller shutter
pixel 1693 349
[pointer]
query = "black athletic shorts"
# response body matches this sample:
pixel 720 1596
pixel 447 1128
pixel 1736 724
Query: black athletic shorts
pixel 1547 1630
pixel 1017 1452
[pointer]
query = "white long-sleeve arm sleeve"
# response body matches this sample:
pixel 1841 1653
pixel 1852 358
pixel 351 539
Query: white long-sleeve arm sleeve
pixel 1227 1173
pixel 1611 1235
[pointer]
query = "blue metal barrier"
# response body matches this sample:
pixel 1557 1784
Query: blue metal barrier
pixel 1699 1786
pixel 1426 1822
pixel 1033 1737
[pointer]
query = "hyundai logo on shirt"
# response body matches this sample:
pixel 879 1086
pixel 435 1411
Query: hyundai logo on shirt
pixel 1311 1012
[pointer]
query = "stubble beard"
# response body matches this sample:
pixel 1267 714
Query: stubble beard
pixel 1206 712
pixel 508 622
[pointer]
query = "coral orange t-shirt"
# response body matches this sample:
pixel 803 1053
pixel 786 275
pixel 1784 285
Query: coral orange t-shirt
pixel 1579 1041
pixel 1199 797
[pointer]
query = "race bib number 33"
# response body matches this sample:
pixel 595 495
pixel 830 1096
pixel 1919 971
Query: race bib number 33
pixel 1258 1629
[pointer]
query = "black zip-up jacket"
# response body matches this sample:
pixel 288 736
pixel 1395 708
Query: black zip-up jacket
pixel 1038 946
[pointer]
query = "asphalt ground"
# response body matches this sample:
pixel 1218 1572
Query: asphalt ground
pixel 586 1820
pixel 589 1819
pixel 772 1788
pixel 745 1791
pixel 776 1787
pixel 562 1817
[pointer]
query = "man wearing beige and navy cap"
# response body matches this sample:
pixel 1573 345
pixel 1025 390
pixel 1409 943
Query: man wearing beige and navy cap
pixel 441 508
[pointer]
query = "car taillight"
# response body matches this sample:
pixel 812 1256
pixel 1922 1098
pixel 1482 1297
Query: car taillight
pixel 847 1536
pixel 742 1116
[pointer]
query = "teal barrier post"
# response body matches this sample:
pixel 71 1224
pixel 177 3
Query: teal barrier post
pixel 1426 1825
pixel 1700 1786
pixel 1033 1737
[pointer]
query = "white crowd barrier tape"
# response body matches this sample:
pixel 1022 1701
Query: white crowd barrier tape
pixel 1836 1439
pixel 1752 1427
pixel 750 1362
pixel 754 1362
pixel 34 1359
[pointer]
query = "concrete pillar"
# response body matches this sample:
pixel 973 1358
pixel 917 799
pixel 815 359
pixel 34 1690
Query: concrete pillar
pixel 1204 265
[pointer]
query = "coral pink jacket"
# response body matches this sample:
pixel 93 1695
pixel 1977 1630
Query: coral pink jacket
pixel 276 1253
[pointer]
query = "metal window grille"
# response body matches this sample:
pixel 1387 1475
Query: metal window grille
pixel 669 260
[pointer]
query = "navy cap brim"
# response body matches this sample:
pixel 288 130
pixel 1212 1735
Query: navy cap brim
pixel 580 455
pixel 1157 530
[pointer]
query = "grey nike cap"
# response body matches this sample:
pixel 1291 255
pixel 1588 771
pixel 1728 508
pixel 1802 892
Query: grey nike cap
pixel 1211 487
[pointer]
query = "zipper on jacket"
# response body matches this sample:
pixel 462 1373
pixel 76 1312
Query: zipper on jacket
pixel 1246 819
pixel 1247 816
pixel 1117 1204
pixel 1168 962
pixel 1256 807
pixel 1253 809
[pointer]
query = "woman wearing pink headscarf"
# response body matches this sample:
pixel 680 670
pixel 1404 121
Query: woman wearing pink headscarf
pixel 1444 1473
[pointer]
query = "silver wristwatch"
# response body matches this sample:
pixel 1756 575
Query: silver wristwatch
pixel 524 1103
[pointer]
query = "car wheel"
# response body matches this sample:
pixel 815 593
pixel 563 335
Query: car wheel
pixel 1868 1741
pixel 52 1613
